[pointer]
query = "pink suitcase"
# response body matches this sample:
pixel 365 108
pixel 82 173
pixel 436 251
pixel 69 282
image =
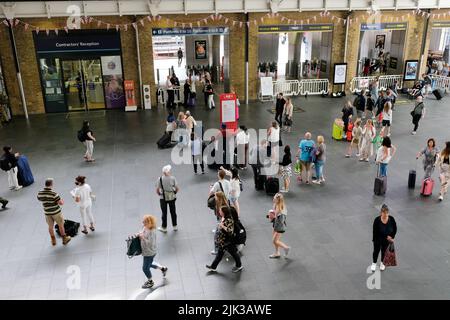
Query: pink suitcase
pixel 427 187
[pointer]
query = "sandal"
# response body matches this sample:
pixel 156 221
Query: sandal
pixel 92 228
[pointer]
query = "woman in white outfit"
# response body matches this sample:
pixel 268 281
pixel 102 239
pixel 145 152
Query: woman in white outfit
pixel 83 196
pixel 368 134
pixel 273 136
pixel 235 183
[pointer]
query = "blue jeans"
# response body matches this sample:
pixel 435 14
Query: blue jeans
pixel 319 169
pixel 148 263
pixel 383 169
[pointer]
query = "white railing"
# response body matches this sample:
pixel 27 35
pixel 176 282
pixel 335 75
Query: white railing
pixel 287 87
pixel 384 82
pixel 441 82
pixel 387 81
pixel 313 86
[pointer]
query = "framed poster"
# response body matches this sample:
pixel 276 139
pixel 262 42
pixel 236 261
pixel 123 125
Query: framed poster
pixel 201 49
pixel 411 69
pixel 379 41
pixel 393 63
pixel 340 73
pixel 266 86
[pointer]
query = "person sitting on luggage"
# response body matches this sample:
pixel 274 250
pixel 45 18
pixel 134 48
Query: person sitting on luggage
pixel 170 124
pixel 8 163
pixel 52 202
pixel 430 154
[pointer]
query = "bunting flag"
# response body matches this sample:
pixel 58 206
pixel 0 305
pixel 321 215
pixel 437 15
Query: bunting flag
pixel 198 23
pixel 262 19
pixel 26 26
pixel 234 23
pixel 255 22
pixel 190 25
pixel 37 30
pixel 56 31
pixel 248 24
pixel 142 22
pixel 99 23
pixel 134 24
pixel 47 31
pixel 66 29
pixel 226 20
pixel 107 26
pixel 6 23
pixel 149 19
pixel 16 22
pixel 117 27
pixel 125 27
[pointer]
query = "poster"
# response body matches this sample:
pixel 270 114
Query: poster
pixel 201 49
pixel 411 68
pixel 228 111
pixel 113 82
pixel 393 63
pixel 266 86
pixel 379 41
pixel 340 73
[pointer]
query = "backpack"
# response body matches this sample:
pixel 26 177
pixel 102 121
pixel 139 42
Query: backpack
pixel 239 233
pixel 4 164
pixel 357 100
pixel 70 227
pixel 81 136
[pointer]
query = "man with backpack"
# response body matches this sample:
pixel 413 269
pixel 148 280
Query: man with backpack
pixel 8 163
pixel 360 104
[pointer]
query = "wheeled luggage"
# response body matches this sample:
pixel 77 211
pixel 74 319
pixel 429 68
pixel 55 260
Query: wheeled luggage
pixel 24 174
pixel 164 141
pixel 380 184
pixel 412 179
pixel 438 94
pixel 70 227
pixel 260 182
pixel 427 187
pixel 272 185
pixel 338 130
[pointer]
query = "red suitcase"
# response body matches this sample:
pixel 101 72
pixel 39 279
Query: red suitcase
pixel 427 187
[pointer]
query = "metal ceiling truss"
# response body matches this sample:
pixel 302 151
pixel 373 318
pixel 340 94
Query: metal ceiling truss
pixel 49 9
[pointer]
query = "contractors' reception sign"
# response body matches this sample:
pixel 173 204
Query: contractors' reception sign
pixel 383 26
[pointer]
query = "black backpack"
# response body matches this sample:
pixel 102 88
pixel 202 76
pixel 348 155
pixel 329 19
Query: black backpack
pixel 81 136
pixel 357 100
pixel 239 233
pixel 70 227
pixel 4 164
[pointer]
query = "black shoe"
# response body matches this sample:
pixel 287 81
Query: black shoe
pixel 237 269
pixel 211 269
pixel 148 284
pixel 164 271
pixel 4 203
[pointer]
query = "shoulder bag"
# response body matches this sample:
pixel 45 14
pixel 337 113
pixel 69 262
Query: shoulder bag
pixel 167 195
pixel 279 224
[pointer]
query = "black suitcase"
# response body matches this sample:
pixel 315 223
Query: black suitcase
pixel 272 185
pixel 380 184
pixel 70 227
pixel 260 182
pixel 164 141
pixel 412 179
pixel 438 94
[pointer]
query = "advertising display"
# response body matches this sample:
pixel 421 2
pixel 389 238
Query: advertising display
pixel 113 82
pixel 201 49
pixel 340 73
pixel 228 110
pixel 411 68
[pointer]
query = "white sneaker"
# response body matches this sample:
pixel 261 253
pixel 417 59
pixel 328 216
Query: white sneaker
pixel 286 251
pixel 373 267
pixel 382 266
pixel 18 188
pixel 357 154
pixel 441 198
pixel 316 182
pixel 162 229
pixel 175 228
pixel 413 133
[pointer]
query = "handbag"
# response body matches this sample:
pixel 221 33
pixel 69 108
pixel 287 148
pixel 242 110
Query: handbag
pixel 288 122
pixel 390 259
pixel 133 247
pixel 167 195
pixel 279 224
pixel 212 199
pixel 297 168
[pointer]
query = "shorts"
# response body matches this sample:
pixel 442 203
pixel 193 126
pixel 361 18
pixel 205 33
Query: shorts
pixel 55 218
pixel 386 123
pixel 233 200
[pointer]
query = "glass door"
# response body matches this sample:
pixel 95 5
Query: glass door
pixel 93 84
pixel 83 84
pixel 52 85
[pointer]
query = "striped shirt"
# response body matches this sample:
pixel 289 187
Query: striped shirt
pixel 49 199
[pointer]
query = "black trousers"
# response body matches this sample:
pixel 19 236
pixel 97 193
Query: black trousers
pixel 377 246
pixel 231 248
pixel 279 119
pixel 256 171
pixel 206 96
pixel 173 212
pixel 415 121
pixel 186 98
pixel 170 99
pixel 195 160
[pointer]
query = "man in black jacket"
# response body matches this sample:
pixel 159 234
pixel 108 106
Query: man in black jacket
pixel 8 163
pixel 379 104
pixel 360 104
pixel 279 107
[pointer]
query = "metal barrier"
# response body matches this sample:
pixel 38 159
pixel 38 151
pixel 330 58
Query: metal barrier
pixel 313 86
pixel 441 82
pixel 287 87
pixel 388 81
pixel 163 96
pixel 384 82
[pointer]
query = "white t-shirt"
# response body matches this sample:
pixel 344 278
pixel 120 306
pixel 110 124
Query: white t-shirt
pixel 380 155
pixel 274 135
pixel 84 192
pixel 242 138
pixel 226 185
pixel 196 147
pixel 193 85
pixel 388 115
pixel 235 188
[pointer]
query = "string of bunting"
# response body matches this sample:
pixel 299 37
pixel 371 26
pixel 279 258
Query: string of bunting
pixel 228 21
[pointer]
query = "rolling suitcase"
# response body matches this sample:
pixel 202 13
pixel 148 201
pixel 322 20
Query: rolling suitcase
pixel 380 184
pixel 24 175
pixel 272 185
pixel 427 187
pixel 164 141
pixel 438 94
pixel 260 182
pixel 337 132
pixel 412 179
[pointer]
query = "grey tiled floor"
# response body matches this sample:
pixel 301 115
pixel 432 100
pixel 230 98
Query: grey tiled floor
pixel 329 227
